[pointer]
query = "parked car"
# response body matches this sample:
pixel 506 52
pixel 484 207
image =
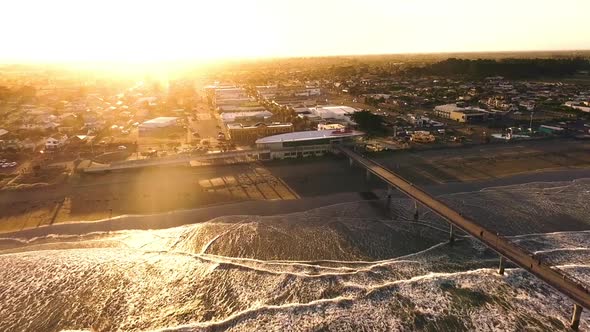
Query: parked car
pixel 122 147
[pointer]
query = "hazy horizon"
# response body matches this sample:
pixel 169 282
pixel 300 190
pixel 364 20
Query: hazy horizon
pixel 157 31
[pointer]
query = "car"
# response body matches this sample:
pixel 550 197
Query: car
pixel 122 147
pixel 14 163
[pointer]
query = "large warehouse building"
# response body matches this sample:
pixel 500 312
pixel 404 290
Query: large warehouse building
pixel 303 143
pixel 158 125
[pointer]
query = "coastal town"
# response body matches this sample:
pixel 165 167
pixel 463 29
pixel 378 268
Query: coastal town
pixel 287 165
pixel 60 122
pixel 100 147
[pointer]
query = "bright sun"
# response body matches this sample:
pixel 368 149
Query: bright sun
pixel 147 31
pixel 138 31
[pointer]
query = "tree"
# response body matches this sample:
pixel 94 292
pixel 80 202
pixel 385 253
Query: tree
pixel 369 122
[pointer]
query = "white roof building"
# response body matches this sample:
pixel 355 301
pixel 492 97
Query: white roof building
pixel 333 112
pixel 300 136
pixel 303 143
pixel 229 117
pixel 160 122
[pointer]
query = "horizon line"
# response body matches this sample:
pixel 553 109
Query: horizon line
pixel 225 59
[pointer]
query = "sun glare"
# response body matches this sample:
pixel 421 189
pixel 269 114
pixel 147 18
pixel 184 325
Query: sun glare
pixel 130 31
pixel 138 32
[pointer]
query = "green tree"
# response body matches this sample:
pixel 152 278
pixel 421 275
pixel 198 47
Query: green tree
pixel 372 124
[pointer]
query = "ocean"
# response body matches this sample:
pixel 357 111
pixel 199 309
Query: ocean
pixel 355 266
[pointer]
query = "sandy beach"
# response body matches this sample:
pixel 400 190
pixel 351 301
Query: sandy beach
pixel 276 187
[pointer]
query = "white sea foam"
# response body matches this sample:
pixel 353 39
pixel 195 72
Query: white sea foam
pixel 342 267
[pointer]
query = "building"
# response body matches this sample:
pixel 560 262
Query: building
pixel 331 126
pixel 53 143
pixel 303 143
pixel 157 124
pixel 257 116
pixel 308 91
pixel 230 93
pixel 551 130
pixel 246 107
pixel 341 113
pixel 461 114
pixel 266 91
pixel 241 134
pixel 578 106
pixel 330 113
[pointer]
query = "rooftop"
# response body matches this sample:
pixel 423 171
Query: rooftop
pixel 273 125
pixel 341 110
pixel 162 119
pixel 308 135
pixel 232 116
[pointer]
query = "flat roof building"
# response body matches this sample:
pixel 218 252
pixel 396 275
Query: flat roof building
pixel 461 114
pixel 249 134
pixel 244 116
pixel 157 125
pixel 304 143
pixel 160 122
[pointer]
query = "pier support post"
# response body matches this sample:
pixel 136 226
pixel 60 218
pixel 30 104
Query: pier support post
pixel 502 263
pixel 576 317
pixel 451 234
pixel 416 213
pixel 368 175
pixel 350 162
pixel 389 191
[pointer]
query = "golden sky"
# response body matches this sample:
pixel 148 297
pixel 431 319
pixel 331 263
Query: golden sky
pixel 165 30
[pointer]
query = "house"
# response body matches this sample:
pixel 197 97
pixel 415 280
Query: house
pixel 79 140
pixel 245 116
pixel 53 143
pixel 461 114
pixel 39 126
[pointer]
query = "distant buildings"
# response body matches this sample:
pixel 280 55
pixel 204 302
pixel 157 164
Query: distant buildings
pixel 158 124
pixel 54 143
pixel 580 106
pixel 248 134
pixel 331 126
pixel 257 116
pixel 551 130
pixel 338 114
pixel 463 114
pixel 266 91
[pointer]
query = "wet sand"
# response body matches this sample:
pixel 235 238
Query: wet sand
pixel 275 207
pixel 301 184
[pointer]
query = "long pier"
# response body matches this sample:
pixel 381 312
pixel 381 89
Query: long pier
pixel 568 286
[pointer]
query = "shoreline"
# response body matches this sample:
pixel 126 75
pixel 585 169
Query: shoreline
pixel 176 218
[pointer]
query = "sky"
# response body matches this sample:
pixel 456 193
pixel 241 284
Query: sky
pixel 169 30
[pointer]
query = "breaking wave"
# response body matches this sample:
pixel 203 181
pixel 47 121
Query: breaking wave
pixel 352 266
